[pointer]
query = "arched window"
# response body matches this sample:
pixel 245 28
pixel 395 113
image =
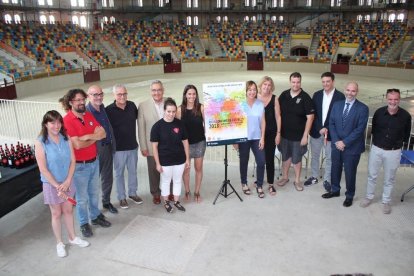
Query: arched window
pixel 104 3
pixel 43 19
pixel 253 18
pixel 225 18
pixel 161 3
pixel 139 3
pixel 218 3
pixel 112 19
pixel 82 21
pixel 246 3
pixel 50 2
pixel 105 19
pixel 218 18
pixel 401 17
pixel 73 3
pixel 41 2
pixel 309 3
pixel 195 20
pixel 7 19
pixel 111 3
pixel 359 17
pixel 246 18
pixel 189 20
pixel 281 18
pixel 367 17
pixel 75 20
pixel 391 17
pixel 52 19
pixel 273 18
pixel 17 19
pixel 225 4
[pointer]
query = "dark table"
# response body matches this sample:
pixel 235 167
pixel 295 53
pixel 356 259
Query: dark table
pixel 18 186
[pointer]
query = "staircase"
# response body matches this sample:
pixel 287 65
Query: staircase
pixel 215 49
pixel 73 59
pixel 198 44
pixel 314 46
pixel 286 47
pixel 408 52
pixel 393 52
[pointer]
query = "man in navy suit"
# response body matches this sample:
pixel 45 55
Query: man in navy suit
pixel 347 127
pixel 323 101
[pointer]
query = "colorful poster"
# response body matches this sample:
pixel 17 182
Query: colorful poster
pixel 225 118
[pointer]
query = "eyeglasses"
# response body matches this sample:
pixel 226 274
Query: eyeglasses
pixel 97 95
pixel 121 95
pixel 156 90
pixel 79 100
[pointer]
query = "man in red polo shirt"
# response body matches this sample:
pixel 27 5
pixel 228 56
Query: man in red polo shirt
pixel 84 131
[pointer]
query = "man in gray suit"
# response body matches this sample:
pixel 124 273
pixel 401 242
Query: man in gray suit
pixel 149 112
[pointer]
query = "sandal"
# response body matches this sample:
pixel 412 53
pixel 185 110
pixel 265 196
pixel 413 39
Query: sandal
pixel 168 206
pixel 272 190
pixel 260 192
pixel 187 196
pixel 178 205
pixel 282 182
pixel 197 197
pixel 246 189
pixel 298 186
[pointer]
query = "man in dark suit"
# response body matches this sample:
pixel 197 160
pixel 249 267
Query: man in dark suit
pixel 323 101
pixel 347 127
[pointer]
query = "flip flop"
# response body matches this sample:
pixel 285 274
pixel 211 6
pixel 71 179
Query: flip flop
pixel 282 182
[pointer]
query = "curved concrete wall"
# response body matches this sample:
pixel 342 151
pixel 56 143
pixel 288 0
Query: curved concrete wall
pixel 28 88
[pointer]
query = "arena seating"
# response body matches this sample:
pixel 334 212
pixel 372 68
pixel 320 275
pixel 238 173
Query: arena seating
pixel 38 42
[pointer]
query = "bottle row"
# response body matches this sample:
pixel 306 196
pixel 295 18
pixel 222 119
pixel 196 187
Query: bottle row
pixel 18 156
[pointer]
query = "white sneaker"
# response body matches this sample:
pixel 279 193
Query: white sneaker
pixel 79 242
pixel 60 249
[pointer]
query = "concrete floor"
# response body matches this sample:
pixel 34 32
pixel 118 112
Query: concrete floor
pixel 292 233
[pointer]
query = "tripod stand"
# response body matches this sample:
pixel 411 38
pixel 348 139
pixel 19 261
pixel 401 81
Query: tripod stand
pixel 223 188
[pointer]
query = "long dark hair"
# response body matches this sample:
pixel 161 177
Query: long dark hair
pixel 197 106
pixel 50 116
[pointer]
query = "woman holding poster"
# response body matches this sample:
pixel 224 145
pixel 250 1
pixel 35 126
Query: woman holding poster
pixel 273 122
pixel 191 113
pixel 255 140
pixel 56 161
pixel 171 153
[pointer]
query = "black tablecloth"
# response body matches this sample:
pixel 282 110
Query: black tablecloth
pixel 17 187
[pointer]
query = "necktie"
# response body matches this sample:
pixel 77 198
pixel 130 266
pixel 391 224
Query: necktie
pixel 346 113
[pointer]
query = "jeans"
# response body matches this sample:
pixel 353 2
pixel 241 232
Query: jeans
pixel 128 159
pixel 316 145
pixel 259 155
pixel 390 159
pixel 86 178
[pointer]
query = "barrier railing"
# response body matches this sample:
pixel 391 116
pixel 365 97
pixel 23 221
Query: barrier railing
pixel 21 120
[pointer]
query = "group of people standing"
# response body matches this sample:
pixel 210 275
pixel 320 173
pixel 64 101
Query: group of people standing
pixel 93 141
pixel 335 122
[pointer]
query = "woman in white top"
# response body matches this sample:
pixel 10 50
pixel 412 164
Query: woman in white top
pixel 255 134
